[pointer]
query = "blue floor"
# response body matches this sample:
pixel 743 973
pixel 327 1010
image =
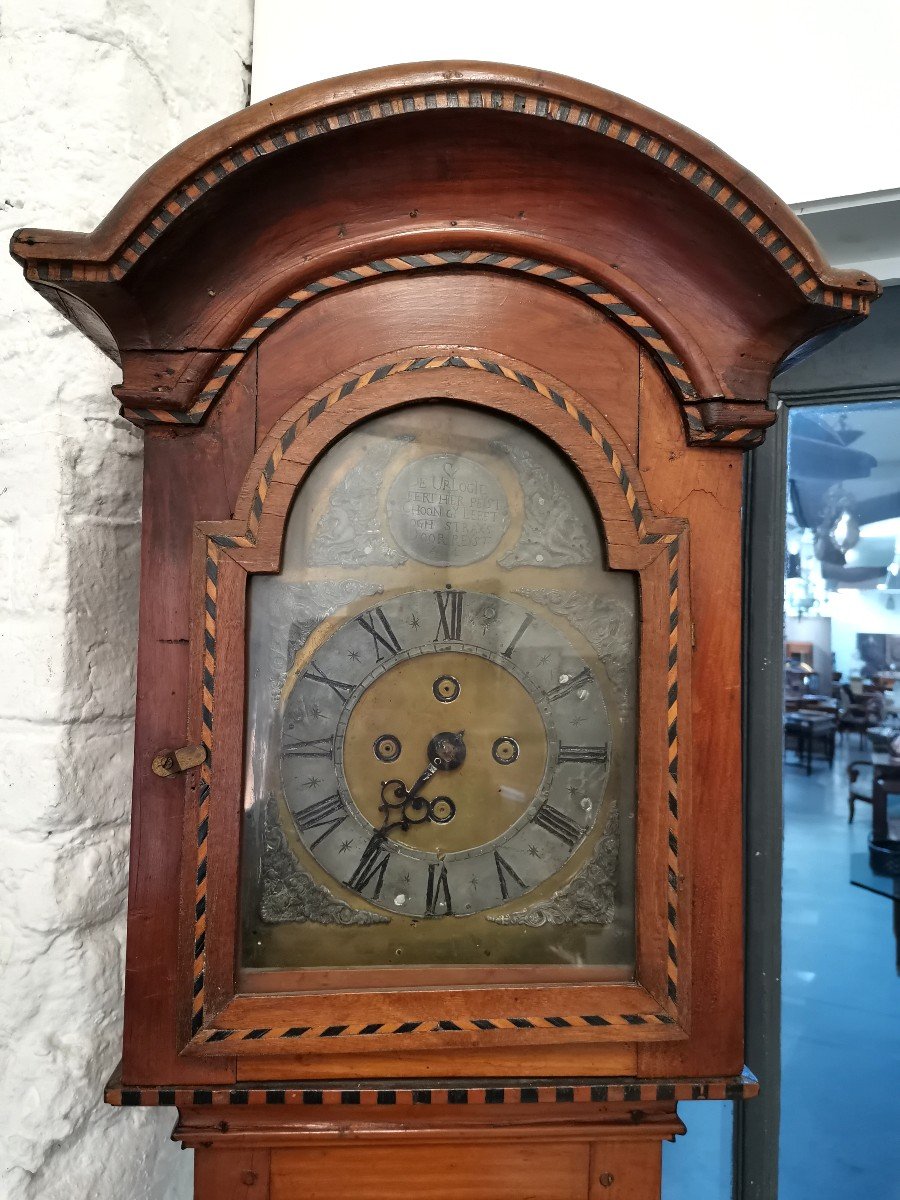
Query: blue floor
pixel 840 1080
pixel 840 1085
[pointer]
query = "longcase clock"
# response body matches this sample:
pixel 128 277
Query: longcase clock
pixel 447 374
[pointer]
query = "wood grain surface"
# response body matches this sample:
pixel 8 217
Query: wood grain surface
pixel 625 290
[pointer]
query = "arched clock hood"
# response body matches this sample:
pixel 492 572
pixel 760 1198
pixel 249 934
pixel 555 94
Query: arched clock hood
pixel 441 167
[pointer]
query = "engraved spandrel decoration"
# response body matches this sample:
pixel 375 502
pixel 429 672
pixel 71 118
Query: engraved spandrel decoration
pixel 447 510
pixel 348 533
pixel 588 899
pixel 553 535
pixel 290 894
pixel 606 623
pixel 312 603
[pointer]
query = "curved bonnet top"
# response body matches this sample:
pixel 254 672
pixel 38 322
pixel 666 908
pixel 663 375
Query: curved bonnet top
pixel 448 164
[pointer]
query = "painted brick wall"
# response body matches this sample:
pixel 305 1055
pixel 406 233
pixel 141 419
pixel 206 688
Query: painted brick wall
pixel 94 92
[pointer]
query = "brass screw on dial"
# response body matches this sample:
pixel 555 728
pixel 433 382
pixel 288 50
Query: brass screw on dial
pixel 505 750
pixel 446 689
pixel 387 748
pixel 441 810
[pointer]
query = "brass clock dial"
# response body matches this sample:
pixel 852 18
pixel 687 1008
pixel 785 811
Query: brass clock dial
pixel 441 699
pixel 444 752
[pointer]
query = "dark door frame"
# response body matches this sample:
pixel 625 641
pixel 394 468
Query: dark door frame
pixel 757 1123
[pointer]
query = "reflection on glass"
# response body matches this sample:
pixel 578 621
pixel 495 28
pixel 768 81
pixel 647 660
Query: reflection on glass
pixel 441 711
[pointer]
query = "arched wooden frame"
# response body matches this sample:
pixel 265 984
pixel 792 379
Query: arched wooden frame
pixel 681 361
pixel 193 228
pixel 158 200
pixel 219 1021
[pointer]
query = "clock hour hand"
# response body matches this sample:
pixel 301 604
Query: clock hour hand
pixel 404 804
pixel 446 752
pixel 429 771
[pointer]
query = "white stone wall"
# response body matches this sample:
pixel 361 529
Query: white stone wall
pixel 94 91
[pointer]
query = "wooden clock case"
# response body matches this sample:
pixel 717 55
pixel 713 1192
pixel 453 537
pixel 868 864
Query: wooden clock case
pixel 538 247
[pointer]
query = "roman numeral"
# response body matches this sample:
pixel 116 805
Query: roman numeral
pixel 371 867
pixel 329 812
pixel 584 754
pixel 506 875
pixel 341 690
pixel 450 609
pixel 517 636
pixel 569 685
pixel 557 823
pixel 316 748
pixel 437 888
pixel 383 637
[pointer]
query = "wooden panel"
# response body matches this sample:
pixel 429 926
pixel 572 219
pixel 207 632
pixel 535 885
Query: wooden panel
pixel 460 1171
pixel 545 327
pixel 496 1063
pixel 233 427
pixel 185 480
pixel 705 487
pixel 625 1171
pixel 231 1174
pixel 429 176
pixel 229 215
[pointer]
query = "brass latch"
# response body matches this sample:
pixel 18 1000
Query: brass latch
pixel 174 762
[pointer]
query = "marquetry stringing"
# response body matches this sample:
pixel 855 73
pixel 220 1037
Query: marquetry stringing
pixel 210 617
pixel 525 103
pixel 432 363
pixel 588 289
pixel 425 1092
pixel 594 292
pixel 672 879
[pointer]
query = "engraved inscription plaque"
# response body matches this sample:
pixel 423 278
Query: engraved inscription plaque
pixel 447 510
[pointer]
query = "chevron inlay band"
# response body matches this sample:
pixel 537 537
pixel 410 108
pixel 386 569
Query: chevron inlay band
pixel 523 102
pixel 672 876
pixel 210 616
pixel 697 431
pixel 459 1025
pixel 431 363
pixel 217 542
pixel 417 1092
pixel 588 289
